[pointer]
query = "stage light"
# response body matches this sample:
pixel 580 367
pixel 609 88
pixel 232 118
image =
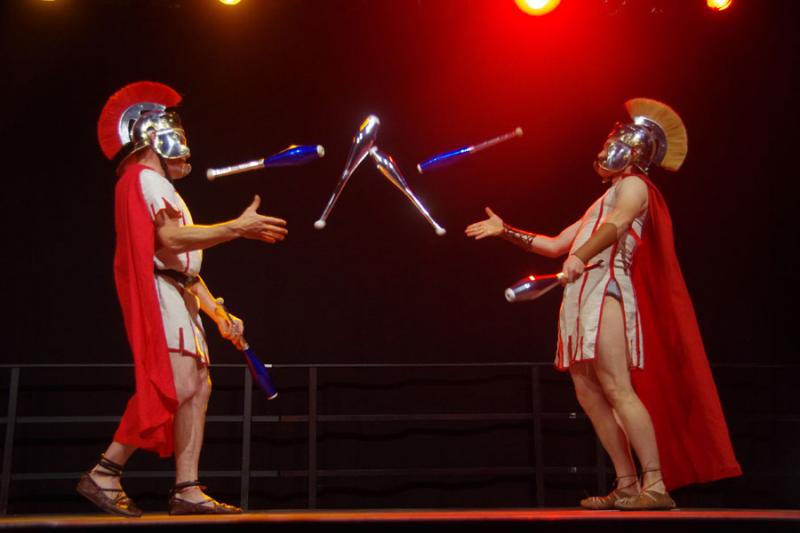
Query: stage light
pixel 537 7
pixel 229 2
pixel 719 5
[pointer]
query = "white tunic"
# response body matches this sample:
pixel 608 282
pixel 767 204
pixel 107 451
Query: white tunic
pixel 581 307
pixel 180 309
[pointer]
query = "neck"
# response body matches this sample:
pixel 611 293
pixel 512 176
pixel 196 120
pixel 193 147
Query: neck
pixel 629 170
pixel 151 161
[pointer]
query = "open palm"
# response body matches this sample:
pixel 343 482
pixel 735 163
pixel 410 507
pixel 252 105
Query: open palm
pixel 491 227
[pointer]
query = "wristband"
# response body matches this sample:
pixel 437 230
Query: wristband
pixel 521 238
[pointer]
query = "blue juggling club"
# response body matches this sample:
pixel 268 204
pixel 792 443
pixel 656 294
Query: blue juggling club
pixel 290 156
pixel 447 158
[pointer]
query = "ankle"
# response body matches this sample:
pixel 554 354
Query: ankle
pixel 188 490
pixel 99 471
pixel 652 479
pixel 625 481
pixel 106 469
pixel 103 479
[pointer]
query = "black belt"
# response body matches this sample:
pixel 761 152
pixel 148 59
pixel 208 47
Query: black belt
pixel 182 279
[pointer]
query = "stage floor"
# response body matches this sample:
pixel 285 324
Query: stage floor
pixel 531 519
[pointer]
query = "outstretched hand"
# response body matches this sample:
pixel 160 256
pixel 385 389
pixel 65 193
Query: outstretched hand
pixel 491 227
pixel 251 225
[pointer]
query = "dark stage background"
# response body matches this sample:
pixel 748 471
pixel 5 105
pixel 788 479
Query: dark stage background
pixel 377 285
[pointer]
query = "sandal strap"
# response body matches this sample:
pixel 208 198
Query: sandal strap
pixel 178 487
pixel 113 469
pixel 659 480
pixel 618 478
pixel 646 487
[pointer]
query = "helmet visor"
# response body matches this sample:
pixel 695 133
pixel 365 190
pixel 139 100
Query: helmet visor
pixel 171 144
pixel 169 139
pixel 617 156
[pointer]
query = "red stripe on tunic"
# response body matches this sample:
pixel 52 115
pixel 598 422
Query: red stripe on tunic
pixel 585 278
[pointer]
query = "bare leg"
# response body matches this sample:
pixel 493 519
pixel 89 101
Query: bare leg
pixel 593 401
pixel 193 386
pixel 613 373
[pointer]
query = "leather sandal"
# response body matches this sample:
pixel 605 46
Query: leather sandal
pixel 647 499
pixel 118 503
pixel 605 503
pixel 179 506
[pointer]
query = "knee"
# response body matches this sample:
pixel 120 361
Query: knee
pixel 185 389
pixel 195 389
pixel 587 394
pixel 204 389
pixel 617 393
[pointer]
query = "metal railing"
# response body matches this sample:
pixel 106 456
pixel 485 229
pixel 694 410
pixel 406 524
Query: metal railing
pixel 312 419
pixel 535 415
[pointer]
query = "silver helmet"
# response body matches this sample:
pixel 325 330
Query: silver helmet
pixel 655 136
pixel 140 115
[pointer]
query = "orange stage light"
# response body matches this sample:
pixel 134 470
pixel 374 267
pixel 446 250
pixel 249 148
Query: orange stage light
pixel 537 7
pixel 719 5
pixel 229 2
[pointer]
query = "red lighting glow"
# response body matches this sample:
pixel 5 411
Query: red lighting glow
pixel 538 7
pixel 719 5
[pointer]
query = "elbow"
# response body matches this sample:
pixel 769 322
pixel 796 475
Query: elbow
pixel 169 244
pixel 621 226
pixel 620 221
pixel 557 251
pixel 169 250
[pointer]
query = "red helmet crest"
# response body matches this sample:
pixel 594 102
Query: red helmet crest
pixel 125 106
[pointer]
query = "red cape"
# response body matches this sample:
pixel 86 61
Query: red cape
pixel 676 384
pixel 148 419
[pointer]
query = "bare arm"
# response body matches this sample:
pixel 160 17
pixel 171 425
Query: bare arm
pixel 532 242
pixel 249 225
pixel 631 202
pixel 207 301
pixel 559 245
pixel 632 197
pixel 230 327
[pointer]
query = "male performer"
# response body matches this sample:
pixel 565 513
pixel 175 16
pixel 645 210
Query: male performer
pixel 613 315
pixel 156 269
